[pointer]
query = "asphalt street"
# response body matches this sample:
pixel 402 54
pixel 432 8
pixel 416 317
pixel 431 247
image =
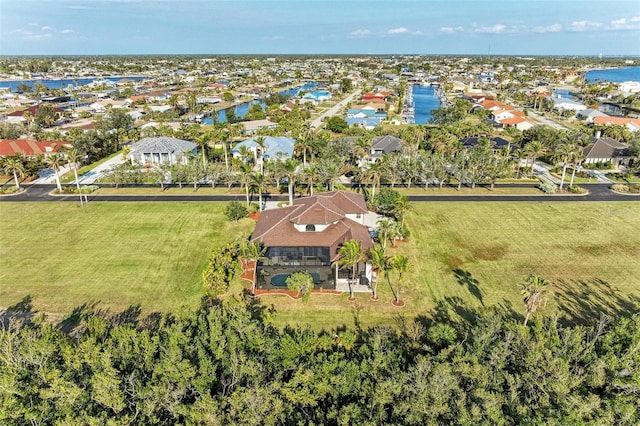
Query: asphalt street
pixel 597 192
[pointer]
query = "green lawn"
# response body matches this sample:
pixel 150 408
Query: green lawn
pixel 464 256
pixel 115 254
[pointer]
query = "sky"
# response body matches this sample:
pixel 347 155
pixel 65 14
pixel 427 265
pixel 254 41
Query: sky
pixel 457 27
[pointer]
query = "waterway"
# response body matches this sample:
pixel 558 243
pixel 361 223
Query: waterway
pixel 425 100
pixel 63 83
pixel 241 109
pixel 614 75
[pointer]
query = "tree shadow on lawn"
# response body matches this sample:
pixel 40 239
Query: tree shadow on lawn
pixel 75 322
pixel 584 301
pixel 19 315
pixel 465 279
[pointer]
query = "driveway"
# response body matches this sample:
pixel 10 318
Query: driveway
pixel 100 170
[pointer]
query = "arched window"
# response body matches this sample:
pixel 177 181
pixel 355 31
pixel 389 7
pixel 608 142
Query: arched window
pixel 310 228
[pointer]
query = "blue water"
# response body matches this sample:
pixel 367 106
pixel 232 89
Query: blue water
pixel 616 75
pixel 425 100
pixel 61 83
pixel 243 108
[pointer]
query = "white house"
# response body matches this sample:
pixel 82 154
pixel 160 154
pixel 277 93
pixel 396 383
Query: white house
pixel 161 150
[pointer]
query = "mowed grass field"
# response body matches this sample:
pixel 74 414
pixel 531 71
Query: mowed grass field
pixel 465 257
pixel 112 254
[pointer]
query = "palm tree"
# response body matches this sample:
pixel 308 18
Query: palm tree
pixel 534 289
pixel 260 182
pixel 203 141
pixel 55 161
pixel 351 254
pixel 73 158
pixel 373 175
pixel 253 252
pixel 260 140
pixel 400 208
pixel 14 166
pixel 246 178
pixel 576 160
pixel 387 232
pixel 563 153
pixel 400 264
pixel 381 263
pixel 535 149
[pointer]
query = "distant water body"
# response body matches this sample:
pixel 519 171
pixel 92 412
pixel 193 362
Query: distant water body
pixel 425 100
pixel 62 83
pixel 614 75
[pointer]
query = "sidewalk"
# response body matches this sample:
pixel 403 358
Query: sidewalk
pixel 100 170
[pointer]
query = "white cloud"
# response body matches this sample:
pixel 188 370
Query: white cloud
pixel 452 29
pixel 548 29
pixel 399 30
pixel 635 19
pixel 360 33
pixel 581 26
pixel 494 29
pixel 66 31
pixel 46 28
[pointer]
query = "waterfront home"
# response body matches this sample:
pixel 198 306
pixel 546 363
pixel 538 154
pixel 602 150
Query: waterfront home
pixel 307 236
pixel 589 115
pixel 251 127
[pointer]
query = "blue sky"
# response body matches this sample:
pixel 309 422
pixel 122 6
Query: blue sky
pixel 514 27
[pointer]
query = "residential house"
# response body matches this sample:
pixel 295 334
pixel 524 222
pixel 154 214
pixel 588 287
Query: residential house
pixel 251 127
pixel 307 236
pixel 605 149
pixel 274 147
pixel 161 150
pixel 563 104
pixel 29 148
pixel 632 124
pixel 496 143
pixel 381 145
pixel 589 115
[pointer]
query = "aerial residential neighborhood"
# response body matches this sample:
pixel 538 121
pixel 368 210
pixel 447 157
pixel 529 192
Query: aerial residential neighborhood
pixel 312 213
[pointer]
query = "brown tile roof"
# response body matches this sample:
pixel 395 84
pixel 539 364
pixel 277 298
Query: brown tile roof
pixel 29 148
pixel 276 227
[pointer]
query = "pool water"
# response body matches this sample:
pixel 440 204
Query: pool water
pixel 280 280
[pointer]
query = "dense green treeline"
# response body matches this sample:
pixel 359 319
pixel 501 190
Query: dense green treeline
pixel 225 364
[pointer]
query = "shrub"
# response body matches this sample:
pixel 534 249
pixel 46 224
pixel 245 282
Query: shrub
pixel 235 211
pixel 254 208
pixel 620 187
pixel 575 189
pixel 10 189
pixel 548 188
pixel 634 188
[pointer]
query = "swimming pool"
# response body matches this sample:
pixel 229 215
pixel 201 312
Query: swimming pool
pixel 280 280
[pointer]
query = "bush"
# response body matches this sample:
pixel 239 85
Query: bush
pixel 620 187
pixel 10 189
pixel 634 188
pixel 548 188
pixel 575 189
pixel 254 208
pixel 235 211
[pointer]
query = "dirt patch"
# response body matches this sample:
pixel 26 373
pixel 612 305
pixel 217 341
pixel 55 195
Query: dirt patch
pixel 490 252
pixel 592 249
pixel 452 262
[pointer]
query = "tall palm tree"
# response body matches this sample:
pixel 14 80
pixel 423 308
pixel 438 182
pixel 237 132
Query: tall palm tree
pixel 203 142
pixel 400 264
pixel 534 290
pixel 351 254
pixel 400 208
pixel 373 175
pixel 14 166
pixel 73 159
pixel 535 149
pixel 253 252
pixel 563 153
pixel 260 140
pixel 55 161
pixel 260 182
pixel 381 263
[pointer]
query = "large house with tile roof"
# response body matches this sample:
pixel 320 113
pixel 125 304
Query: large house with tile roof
pixel 603 149
pixel 29 148
pixel 307 235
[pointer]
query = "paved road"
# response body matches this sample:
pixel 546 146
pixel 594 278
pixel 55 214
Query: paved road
pixel 334 109
pixel 546 121
pixel 597 192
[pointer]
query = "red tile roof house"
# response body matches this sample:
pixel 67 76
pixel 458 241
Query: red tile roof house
pixel 307 235
pixel 29 148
